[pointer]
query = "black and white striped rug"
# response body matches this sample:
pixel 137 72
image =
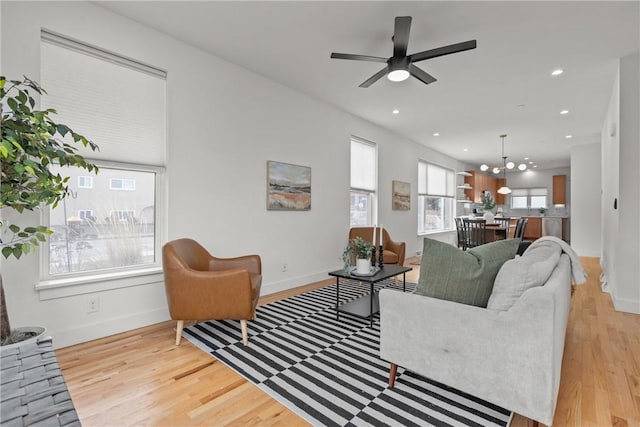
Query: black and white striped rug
pixel 329 371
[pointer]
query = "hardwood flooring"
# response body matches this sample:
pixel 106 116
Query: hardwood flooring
pixel 141 378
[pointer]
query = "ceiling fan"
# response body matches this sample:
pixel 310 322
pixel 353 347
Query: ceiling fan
pixel 400 66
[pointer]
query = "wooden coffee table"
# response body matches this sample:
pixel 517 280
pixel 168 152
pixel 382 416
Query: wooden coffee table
pixel 366 306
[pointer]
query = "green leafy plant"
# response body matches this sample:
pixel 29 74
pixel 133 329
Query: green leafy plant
pixel 542 211
pixel 360 248
pixel 31 141
pixel 488 202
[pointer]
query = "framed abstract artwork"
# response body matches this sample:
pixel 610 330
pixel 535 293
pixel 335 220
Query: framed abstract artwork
pixel 288 187
pixel 401 197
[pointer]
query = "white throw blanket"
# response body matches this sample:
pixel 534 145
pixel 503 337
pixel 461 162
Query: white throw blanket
pixel 577 272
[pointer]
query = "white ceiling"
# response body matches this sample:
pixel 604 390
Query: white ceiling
pixel 503 86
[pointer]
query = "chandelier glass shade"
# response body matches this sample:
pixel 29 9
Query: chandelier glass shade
pixel 503 168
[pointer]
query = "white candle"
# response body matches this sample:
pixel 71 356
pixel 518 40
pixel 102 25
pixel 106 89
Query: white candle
pixel 374 235
pixel 381 227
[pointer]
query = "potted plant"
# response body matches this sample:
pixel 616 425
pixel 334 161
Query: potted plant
pixel 542 211
pixel 488 205
pixel 361 250
pixel 31 141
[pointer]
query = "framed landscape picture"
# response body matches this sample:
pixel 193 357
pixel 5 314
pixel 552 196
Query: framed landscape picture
pixel 401 197
pixel 288 187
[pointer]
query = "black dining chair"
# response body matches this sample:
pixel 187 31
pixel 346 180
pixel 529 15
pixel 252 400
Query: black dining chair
pixel 503 222
pixel 462 240
pixel 521 224
pixel 475 231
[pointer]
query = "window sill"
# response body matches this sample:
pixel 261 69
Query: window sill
pixel 60 288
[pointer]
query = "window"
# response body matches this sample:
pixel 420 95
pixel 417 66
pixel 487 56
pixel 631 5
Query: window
pixel 122 184
pixel 528 198
pixel 119 103
pixel 363 182
pixel 85 182
pixel 86 214
pixel 436 192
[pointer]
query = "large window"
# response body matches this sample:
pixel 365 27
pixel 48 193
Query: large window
pixel 436 194
pixel 363 182
pixel 119 104
pixel 528 198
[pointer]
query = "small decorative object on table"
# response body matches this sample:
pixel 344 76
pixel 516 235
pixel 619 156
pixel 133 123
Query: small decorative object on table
pixel 488 205
pixel 380 258
pixel 362 251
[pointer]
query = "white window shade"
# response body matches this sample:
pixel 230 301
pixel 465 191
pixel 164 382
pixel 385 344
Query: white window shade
pixel 98 98
pixel 363 165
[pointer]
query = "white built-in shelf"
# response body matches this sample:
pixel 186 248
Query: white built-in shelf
pixel 463 173
pixel 463 201
pixel 465 187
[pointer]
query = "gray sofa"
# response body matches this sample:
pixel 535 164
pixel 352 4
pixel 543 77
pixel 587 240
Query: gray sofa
pixel 509 355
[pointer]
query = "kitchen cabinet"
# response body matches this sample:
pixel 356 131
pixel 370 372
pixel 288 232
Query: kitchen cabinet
pixel 479 182
pixel 559 193
pixel 533 230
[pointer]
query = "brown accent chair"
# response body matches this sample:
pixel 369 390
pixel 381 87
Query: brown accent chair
pixel 392 252
pixel 200 286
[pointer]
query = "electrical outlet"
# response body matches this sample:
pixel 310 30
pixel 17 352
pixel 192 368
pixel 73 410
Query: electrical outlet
pixel 284 267
pixel 93 306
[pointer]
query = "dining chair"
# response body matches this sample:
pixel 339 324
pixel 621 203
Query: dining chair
pixel 475 231
pixel 521 224
pixel 503 222
pixel 462 240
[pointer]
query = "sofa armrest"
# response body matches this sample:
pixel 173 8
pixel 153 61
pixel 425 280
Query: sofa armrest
pixel 501 357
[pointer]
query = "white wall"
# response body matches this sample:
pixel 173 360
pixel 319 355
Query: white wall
pixel 224 123
pixel 586 218
pixel 620 178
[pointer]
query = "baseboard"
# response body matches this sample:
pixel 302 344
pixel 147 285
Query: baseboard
pixel 283 285
pixel 92 331
pixel 626 305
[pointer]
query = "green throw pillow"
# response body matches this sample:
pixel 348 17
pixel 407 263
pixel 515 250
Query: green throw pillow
pixel 462 276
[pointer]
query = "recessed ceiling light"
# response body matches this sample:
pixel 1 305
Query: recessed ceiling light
pixel 535 166
pixel 465 149
pixel 564 112
pixel 436 134
pixel 557 72
pixel 568 136
pixel 396 111
pixel 526 158
pixel 520 105
pixel 530 163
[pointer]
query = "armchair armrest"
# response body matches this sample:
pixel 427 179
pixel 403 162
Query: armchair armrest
pixel 397 248
pixel 251 263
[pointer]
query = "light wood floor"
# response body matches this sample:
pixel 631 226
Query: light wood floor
pixel 142 378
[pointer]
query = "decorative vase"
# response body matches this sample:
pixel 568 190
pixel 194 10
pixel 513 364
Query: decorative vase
pixel 363 266
pixel 489 217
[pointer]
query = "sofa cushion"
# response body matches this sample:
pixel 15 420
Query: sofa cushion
pixel 462 276
pixel 531 269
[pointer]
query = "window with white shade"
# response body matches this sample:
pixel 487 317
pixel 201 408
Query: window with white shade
pixel 436 194
pixel 118 103
pixel 528 198
pixel 363 182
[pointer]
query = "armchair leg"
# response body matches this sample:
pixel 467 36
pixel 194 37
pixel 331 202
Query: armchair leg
pixel 392 375
pixel 179 328
pixel 245 335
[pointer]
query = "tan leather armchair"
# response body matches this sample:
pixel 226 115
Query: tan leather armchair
pixel 200 286
pixel 392 252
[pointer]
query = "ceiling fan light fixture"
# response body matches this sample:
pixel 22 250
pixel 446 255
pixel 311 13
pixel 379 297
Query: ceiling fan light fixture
pixel 398 75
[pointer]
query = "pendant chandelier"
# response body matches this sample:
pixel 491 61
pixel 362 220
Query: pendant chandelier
pixel 505 165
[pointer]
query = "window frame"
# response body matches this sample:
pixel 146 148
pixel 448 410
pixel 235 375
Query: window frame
pixel 123 187
pixel 529 193
pixel 56 286
pixel 372 212
pixel 85 178
pixel 449 195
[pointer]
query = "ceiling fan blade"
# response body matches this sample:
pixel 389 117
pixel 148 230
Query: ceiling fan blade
pixel 421 75
pixel 441 51
pixel 377 76
pixel 401 35
pixel 357 57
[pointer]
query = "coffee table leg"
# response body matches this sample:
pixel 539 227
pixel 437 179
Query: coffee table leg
pixel 371 307
pixel 337 297
pixel 404 282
